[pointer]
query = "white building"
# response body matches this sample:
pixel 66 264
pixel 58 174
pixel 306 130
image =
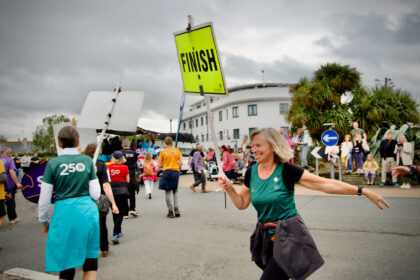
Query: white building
pixel 246 108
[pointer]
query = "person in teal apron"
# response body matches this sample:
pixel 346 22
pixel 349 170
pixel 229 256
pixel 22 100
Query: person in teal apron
pixel 281 244
pixel 73 232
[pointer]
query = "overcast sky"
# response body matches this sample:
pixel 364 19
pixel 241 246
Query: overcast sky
pixel 52 53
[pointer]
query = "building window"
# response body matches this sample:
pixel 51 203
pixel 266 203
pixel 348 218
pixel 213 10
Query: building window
pixel 207 121
pixel 185 125
pixel 207 137
pixel 196 122
pixel 235 112
pixel 199 106
pixel 284 107
pixel 190 124
pixel 202 121
pixel 251 129
pixel 236 133
pixel 227 113
pixel 252 110
pixel 202 137
pixel 221 135
pixel 220 116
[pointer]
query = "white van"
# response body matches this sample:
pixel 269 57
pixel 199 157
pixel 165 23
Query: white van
pixel 185 149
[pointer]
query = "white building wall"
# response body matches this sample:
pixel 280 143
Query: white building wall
pixel 267 99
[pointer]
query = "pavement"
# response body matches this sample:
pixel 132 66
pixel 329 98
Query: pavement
pixel 217 248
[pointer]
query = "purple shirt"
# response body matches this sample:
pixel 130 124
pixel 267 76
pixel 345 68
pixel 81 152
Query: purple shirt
pixel 9 163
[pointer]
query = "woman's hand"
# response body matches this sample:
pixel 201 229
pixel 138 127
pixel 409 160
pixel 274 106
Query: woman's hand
pixel 376 199
pixel 115 209
pixel 45 228
pixel 224 182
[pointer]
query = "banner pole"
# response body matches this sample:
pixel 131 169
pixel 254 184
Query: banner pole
pixel 108 118
pixel 181 110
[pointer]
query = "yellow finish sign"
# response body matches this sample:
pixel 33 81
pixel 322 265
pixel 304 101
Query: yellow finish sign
pixel 199 61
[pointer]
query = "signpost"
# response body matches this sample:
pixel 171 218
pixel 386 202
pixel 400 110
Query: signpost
pixel 201 68
pixel 330 139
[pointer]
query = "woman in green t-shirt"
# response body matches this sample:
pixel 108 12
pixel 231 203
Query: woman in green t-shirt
pixel 281 244
pixel 73 232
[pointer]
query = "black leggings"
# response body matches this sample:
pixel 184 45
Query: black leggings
pixel 272 270
pixel 89 265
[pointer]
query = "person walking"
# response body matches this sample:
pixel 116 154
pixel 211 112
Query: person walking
pixel 170 160
pixel 149 173
pixel 133 187
pixel 73 232
pixel 229 163
pixel 2 195
pixel 386 150
pixel 106 198
pixel 12 184
pixel 120 178
pixel 403 152
pixel 198 163
pixel 281 244
pixel 291 142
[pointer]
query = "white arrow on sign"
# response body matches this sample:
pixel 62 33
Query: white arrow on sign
pixel 315 154
pixel 327 138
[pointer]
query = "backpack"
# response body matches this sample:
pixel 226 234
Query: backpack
pixel 147 169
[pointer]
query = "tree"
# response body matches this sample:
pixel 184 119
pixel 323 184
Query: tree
pixel 318 101
pixel 3 138
pixel 43 137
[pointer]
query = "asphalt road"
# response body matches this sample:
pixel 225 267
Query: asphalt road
pixel 357 240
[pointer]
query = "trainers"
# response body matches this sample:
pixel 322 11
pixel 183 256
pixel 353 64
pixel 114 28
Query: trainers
pixel 105 253
pixel 170 214
pixel 120 235
pixel 403 186
pixel 150 196
pixel 204 191
pixel 407 186
pixel 396 184
pixel 115 240
pixel 14 221
pixel 193 188
pixel 133 213
pixel 125 217
pixel 382 184
pixel 177 214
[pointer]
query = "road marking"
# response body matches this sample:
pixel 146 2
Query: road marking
pixel 29 274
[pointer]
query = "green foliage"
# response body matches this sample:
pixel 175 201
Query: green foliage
pixel 318 101
pixel 43 137
pixel 3 138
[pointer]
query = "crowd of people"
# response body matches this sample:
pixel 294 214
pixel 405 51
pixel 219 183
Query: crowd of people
pixel 258 164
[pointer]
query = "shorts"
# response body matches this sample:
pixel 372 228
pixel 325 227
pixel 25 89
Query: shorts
pixel 169 180
pixel 2 208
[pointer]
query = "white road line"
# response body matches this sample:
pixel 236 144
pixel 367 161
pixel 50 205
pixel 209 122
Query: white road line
pixel 30 274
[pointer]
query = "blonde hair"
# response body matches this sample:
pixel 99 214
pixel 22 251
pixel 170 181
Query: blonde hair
pixel 347 137
pixel 148 156
pixel 403 138
pixel 199 147
pixel 282 151
pixel 369 156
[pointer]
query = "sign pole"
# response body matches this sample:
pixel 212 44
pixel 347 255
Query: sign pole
pixel 317 166
pixel 181 110
pixel 213 137
pixel 108 118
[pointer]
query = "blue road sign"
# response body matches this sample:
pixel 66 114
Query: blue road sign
pixel 329 137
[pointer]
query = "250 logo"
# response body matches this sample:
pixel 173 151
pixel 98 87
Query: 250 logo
pixel 71 168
